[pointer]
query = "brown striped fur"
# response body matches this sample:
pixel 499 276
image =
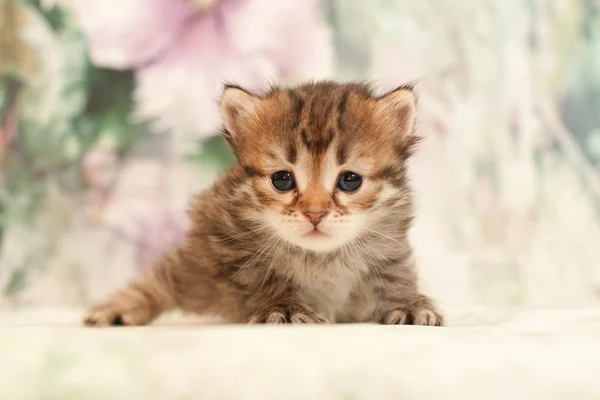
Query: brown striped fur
pixel 247 256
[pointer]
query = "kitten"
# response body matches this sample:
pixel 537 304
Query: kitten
pixel 309 226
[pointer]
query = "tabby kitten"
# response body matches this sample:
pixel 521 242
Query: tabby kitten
pixel 309 226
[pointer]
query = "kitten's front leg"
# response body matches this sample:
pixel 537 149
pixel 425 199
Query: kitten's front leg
pixel 141 301
pixel 401 303
pixel 279 304
pixel 413 309
pixel 286 313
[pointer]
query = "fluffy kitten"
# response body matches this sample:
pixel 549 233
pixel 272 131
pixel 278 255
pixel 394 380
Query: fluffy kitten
pixel 310 225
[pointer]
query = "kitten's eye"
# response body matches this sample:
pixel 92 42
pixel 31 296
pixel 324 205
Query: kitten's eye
pixel 349 182
pixel 283 181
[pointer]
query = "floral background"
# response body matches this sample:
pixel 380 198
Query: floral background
pixel 108 123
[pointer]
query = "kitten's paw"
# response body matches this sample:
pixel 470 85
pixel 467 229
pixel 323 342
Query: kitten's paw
pixel 114 315
pixel 422 313
pixel 287 314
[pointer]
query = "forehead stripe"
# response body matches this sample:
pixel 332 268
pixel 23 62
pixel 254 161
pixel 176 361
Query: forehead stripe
pixel 298 105
pixel 342 108
pixel 342 153
pixel 317 146
pixel 292 153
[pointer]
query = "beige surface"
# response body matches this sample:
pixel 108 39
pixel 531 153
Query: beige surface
pixel 545 354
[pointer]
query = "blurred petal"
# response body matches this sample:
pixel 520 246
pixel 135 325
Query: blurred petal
pixel 204 5
pixel 128 33
pixel 250 42
pixel 292 32
pixel 149 204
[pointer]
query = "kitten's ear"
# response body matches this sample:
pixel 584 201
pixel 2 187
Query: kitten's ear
pixel 399 108
pixel 237 105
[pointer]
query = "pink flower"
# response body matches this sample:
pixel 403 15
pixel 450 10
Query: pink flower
pixel 148 205
pixel 182 51
pixel 129 33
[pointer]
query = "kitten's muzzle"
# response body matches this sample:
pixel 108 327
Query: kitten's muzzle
pixel 315 217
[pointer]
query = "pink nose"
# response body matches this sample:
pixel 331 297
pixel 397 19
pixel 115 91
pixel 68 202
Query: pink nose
pixel 315 217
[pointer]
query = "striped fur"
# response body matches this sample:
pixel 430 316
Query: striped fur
pixel 247 256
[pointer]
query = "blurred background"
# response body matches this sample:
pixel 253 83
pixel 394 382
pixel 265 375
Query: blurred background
pixel 108 122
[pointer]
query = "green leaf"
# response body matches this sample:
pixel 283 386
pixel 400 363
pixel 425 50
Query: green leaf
pixel 75 73
pixel 51 102
pixel 109 108
pixel 213 151
pixel 16 282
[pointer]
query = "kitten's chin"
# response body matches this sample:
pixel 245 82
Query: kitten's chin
pixel 315 234
pixel 318 242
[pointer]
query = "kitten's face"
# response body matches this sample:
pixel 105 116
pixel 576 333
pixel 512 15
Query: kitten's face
pixel 325 162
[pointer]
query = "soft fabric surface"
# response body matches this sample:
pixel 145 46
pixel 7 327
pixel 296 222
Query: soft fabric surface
pixel 539 354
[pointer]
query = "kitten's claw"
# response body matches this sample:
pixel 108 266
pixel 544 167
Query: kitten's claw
pixel 112 315
pixel 287 314
pixel 418 314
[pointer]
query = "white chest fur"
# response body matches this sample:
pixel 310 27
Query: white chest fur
pixel 327 286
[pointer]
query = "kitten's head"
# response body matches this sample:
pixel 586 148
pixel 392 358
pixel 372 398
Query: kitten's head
pixel 325 162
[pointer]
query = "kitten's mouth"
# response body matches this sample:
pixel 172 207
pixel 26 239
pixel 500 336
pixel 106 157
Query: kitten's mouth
pixel 315 233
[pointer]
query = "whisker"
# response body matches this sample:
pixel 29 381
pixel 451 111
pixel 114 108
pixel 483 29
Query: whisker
pixel 273 259
pixel 346 249
pixel 377 267
pixel 265 251
pixel 264 245
pixel 244 234
pixel 388 237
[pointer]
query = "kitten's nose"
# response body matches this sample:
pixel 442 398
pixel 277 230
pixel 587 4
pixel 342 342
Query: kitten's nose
pixel 315 216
